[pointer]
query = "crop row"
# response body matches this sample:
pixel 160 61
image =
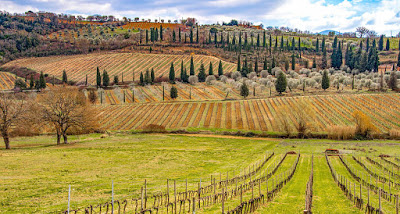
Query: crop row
pixel 126 64
pixel 6 81
pixel 257 114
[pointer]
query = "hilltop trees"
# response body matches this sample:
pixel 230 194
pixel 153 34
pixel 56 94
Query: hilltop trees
pixel 387 45
pixel 174 92
pixel 42 81
pixel 98 78
pixel 64 77
pixel 191 67
pixel 220 69
pixel 380 43
pixel 106 79
pixel 210 69
pixel 244 90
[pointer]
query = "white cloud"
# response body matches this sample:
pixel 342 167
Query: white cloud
pixel 231 3
pixel 12 7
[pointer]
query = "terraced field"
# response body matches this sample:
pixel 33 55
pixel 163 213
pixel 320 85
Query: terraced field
pixel 6 81
pixel 257 114
pixel 78 66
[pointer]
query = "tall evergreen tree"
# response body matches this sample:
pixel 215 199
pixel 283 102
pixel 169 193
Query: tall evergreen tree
pixel 238 64
pixel 191 66
pixel 264 38
pixel 258 40
pixel 293 44
pixel 161 33
pixel 282 43
pixel 184 76
pixel 335 41
pixel 173 36
pixel 367 45
pixel 116 80
pixel 147 78
pixel 314 63
pixel 179 35
pixel 380 44
pixel 398 60
pixel 98 77
pixel 147 36
pixel 324 62
pixel 393 81
pixel 172 73
pixel 323 44
pixel 293 62
pixel 317 46
pixel 141 79
pixel 202 73
pixel 373 60
pixel 281 83
pixel 299 45
pixel 156 35
pixel 174 92
pixel 42 81
pixel 106 79
pixel 256 66
pixel 265 66
pixel 220 69
pixel 286 64
pixel 152 77
pixel 387 45
pixel 363 62
pixel 210 69
pixel 31 82
pixel 64 77
pixel 325 80
pixel 191 35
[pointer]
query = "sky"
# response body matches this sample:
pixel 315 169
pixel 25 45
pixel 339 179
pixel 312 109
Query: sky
pixel 383 16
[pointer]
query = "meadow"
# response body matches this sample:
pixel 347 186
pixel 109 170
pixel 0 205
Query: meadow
pixel 37 173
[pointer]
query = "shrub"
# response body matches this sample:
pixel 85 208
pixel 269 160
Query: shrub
pixel 19 83
pixel 341 132
pixel 364 126
pixel 153 128
pixel 193 79
pixel 92 96
pixel 210 79
pixel 264 73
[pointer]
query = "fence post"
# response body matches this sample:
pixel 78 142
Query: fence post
pixel 397 204
pixel 194 205
pixel 69 196
pixel 145 194
pixel 380 205
pixel 223 197
pixel 112 196
pixel 175 194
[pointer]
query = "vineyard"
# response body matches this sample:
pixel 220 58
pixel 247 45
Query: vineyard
pixel 205 174
pixel 78 66
pixel 6 81
pixel 258 114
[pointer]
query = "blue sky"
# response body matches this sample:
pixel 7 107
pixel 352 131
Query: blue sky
pixel 383 16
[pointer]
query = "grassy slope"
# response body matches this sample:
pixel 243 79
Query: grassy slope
pixel 37 178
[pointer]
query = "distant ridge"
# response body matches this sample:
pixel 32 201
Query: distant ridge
pixel 326 32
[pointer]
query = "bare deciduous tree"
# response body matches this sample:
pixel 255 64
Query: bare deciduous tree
pixel 362 31
pixel 65 109
pixel 12 111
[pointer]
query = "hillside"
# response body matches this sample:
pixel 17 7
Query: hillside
pixel 78 66
pixel 259 114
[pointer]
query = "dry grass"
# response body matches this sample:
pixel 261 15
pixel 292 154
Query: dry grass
pixel 341 132
pixel 394 133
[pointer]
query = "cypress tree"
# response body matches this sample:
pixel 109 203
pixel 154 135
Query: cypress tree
pixel 339 55
pixel 64 77
pixel 31 82
pixel 244 90
pixel 256 66
pixel 363 62
pixel 98 77
pixel 282 43
pixel 299 45
pixel 286 64
pixel 220 69
pixel 281 83
pixel 273 62
pixel 227 38
pixel 156 35
pixel 264 38
pixel 276 43
pixel 325 80
pixel 147 78
pixel 215 38
pixel 106 79
pixel 324 63
pixel 173 36
pixel 147 36
pixel 191 35
pixel 133 76
pixel 374 43
pixel 367 45
pixel 197 35
pixel 184 76
pixel 202 73
pixel 393 81
pixel 380 44
pixel 323 44
pixel 334 45
pixel 265 66
pixel 86 80
pixel 314 63
pixel 42 81
pixel 172 73
pixel 191 66
pixel 161 33
pixel 293 44
pixel 334 58
pixel 174 92
pixel 238 64
pixel 116 80
pixel 387 45
pixel 258 40
pixel 152 76
pixel 210 69
pixel 293 63
pixel 361 44
pixel 317 46
pixel 179 35
pixel 141 79
pixel 270 44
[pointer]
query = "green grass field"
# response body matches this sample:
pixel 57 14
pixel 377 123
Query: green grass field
pixel 36 173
